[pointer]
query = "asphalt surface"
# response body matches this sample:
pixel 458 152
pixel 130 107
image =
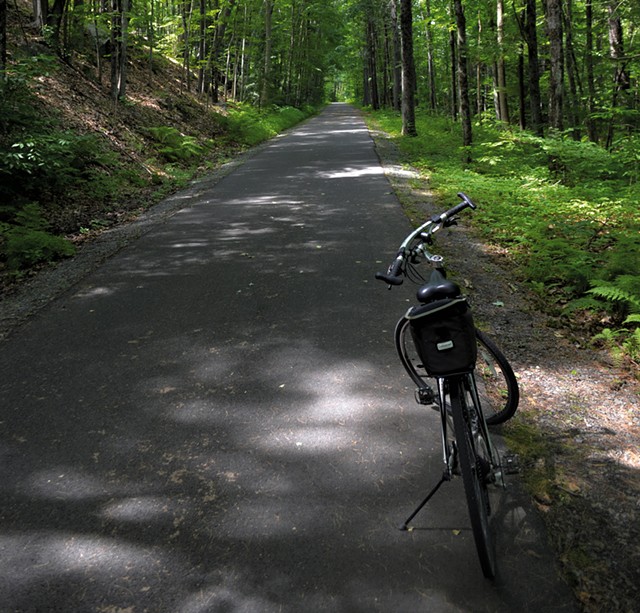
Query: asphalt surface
pixel 215 419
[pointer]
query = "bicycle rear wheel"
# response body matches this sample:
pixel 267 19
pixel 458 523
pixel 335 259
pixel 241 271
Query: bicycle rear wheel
pixel 475 466
pixel 496 381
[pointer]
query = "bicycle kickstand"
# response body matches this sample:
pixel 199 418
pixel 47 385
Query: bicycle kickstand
pixel 405 525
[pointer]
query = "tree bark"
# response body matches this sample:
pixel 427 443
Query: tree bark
pixel 463 79
pixel 3 40
pixel 556 59
pixel 408 70
pixel 454 75
pixel 535 98
pixel 591 84
pixel 371 77
pixel 430 60
pixel 396 56
pixel 574 96
pixel 265 90
pixel 501 79
pixel 621 79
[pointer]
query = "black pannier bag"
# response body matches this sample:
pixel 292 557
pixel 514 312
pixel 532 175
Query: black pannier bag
pixel 444 336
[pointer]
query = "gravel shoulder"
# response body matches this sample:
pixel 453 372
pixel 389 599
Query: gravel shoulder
pixel 583 411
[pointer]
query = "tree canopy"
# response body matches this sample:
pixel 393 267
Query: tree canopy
pixel 542 64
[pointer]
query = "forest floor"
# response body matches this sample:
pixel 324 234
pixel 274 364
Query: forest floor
pixel 577 429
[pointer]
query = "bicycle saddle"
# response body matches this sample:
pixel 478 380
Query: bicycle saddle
pixel 437 291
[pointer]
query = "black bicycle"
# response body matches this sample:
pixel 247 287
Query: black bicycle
pixel 459 371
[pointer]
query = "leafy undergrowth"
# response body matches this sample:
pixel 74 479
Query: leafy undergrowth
pixel 564 212
pixel 73 163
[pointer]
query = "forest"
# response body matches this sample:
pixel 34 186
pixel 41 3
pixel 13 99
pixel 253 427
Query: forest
pixel 531 106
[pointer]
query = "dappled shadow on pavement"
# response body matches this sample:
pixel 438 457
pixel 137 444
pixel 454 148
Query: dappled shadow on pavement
pixel 215 419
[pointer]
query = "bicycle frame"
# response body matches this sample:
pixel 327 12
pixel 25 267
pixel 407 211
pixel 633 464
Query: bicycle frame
pixel 424 395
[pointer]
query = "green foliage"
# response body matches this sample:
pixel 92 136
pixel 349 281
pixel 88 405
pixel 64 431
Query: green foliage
pixel 564 211
pixel 26 241
pixel 177 147
pixel 48 162
pixel 249 126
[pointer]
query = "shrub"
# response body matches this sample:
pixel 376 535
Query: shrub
pixel 26 241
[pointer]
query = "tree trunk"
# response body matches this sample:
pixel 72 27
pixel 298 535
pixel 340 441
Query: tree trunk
pixel 621 80
pixel 572 72
pixel 556 60
pixel 187 7
pixel 122 89
pixel 202 48
pixel 522 94
pixel 501 79
pixel 591 84
pixel 54 21
pixel 408 70
pixel 266 77
pixel 430 61
pixel 3 40
pixel 454 70
pixel 39 12
pixel 116 47
pixel 535 99
pixel 463 79
pixel 371 82
pixel 396 56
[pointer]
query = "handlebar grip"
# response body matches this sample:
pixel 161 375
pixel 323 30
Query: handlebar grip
pixel 394 275
pixel 466 203
pixel 391 280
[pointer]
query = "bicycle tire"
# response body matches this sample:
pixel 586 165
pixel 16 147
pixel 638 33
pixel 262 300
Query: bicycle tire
pixel 474 469
pixel 497 383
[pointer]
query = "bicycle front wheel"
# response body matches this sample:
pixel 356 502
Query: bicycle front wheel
pixel 475 466
pixel 496 381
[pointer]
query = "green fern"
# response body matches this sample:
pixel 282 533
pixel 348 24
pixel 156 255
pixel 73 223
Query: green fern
pixel 586 303
pixel 631 344
pixel 619 292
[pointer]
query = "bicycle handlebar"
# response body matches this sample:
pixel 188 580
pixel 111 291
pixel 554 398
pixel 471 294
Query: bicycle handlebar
pixel 393 276
pixel 466 203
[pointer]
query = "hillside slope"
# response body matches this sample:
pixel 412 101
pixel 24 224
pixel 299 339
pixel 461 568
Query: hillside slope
pixel 73 162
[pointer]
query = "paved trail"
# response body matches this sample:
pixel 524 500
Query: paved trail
pixel 215 420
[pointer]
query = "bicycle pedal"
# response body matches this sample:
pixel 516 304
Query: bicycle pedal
pixel 425 396
pixel 511 463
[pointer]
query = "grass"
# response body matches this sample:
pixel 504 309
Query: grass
pixel 564 212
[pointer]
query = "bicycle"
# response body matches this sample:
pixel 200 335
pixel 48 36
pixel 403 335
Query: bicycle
pixel 474 384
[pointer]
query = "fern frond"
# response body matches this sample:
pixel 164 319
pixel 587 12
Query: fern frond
pixel 611 292
pixel 585 303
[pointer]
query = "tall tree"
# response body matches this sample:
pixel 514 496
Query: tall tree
pixel 531 37
pixel 3 39
pixel 119 42
pixel 431 70
pixel 396 56
pixel 266 76
pixel 463 79
pixel 408 70
pixel 591 84
pixel 621 80
pixel 556 61
pixel 501 78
